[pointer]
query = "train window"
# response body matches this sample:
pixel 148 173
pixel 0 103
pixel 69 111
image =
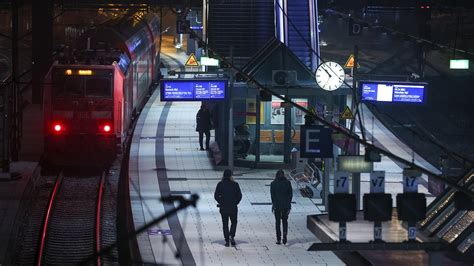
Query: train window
pixel 98 86
pixel 67 85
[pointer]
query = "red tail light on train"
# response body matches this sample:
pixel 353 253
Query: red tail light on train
pixel 57 127
pixel 106 128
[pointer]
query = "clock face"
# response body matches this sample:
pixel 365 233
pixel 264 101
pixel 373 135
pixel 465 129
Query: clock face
pixel 330 76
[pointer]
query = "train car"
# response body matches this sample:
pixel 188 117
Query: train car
pixel 92 96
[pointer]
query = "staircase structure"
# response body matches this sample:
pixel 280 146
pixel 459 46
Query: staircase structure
pixel 297 27
pixel 243 25
pixel 450 218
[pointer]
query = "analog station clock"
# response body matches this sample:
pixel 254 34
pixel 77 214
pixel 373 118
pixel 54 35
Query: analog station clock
pixel 330 76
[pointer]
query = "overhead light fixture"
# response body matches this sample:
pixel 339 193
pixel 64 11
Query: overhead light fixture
pixel 372 156
pixel 459 64
pixel 208 61
pixel 83 72
pixel 354 164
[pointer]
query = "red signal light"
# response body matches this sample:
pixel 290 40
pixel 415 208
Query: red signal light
pixel 106 128
pixel 57 128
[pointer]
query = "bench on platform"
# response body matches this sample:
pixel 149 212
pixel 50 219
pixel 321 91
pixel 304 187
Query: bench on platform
pixel 266 136
pixel 307 180
pixel 280 137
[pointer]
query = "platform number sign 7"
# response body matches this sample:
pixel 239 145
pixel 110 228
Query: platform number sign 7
pixel 410 184
pixel 377 182
pixel 410 180
pixel 341 182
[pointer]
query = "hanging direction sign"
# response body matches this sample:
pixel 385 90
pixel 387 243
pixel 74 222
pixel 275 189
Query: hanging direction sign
pixel 192 90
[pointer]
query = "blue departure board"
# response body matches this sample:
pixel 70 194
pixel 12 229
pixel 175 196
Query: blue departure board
pixel 393 92
pixel 192 90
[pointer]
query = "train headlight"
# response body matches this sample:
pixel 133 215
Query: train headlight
pixel 57 127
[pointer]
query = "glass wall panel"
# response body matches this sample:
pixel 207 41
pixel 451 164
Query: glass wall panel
pixel 244 129
pixel 277 133
pixel 272 132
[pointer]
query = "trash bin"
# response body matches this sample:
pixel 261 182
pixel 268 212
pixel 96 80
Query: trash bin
pixel 295 157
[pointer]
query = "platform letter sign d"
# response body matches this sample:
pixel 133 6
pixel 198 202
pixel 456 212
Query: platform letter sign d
pixel 354 28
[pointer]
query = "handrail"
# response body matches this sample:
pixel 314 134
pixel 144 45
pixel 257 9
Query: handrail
pixel 428 136
pixel 47 217
pixel 313 181
pixel 97 218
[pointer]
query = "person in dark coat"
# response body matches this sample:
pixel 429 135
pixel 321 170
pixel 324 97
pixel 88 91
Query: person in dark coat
pixel 203 125
pixel 282 194
pixel 228 196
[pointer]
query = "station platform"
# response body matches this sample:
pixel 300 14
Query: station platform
pixel 361 231
pixel 165 159
pixel 378 134
pixel 12 189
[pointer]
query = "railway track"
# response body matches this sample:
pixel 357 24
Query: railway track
pixel 71 230
pixel 69 219
pixel 25 250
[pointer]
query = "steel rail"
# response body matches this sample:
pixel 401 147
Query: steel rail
pixel 44 231
pixel 98 218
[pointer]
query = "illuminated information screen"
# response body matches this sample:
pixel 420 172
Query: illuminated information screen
pixel 193 90
pixel 393 92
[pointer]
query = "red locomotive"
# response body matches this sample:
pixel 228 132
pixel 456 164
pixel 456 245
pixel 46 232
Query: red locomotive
pixel 91 98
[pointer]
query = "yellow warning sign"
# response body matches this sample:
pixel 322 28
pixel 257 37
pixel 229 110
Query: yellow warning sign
pixel 346 114
pixel 192 61
pixel 350 62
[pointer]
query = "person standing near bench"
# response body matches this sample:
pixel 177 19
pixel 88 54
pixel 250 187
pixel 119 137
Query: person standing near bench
pixel 282 194
pixel 228 196
pixel 203 125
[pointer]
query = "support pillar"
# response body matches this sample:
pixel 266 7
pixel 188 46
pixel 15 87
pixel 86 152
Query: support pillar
pixel 42 45
pixel 230 146
pixel 287 135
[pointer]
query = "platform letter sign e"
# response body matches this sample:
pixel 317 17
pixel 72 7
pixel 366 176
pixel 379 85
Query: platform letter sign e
pixel 312 141
pixel 316 142
pixel 341 182
pixel 377 182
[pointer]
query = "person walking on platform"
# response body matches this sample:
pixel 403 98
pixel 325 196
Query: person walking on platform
pixel 203 125
pixel 228 196
pixel 282 194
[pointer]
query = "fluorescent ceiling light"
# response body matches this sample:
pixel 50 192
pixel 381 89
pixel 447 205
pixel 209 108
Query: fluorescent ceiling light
pixel 459 64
